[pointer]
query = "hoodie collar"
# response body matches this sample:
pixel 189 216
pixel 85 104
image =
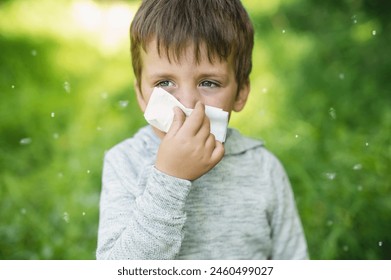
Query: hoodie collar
pixel 237 143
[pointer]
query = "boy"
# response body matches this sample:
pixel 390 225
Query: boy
pixel 182 194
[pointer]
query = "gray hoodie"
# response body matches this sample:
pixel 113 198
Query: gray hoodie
pixel 241 209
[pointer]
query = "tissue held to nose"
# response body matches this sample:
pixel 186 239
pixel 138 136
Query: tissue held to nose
pixel 159 113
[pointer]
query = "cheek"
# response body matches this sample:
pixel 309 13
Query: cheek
pixel 146 93
pixel 143 95
pixel 228 102
pixel 222 100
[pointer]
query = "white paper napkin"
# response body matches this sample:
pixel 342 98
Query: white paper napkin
pixel 159 113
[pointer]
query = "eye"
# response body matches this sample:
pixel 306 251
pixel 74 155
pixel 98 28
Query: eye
pixel 165 83
pixel 209 84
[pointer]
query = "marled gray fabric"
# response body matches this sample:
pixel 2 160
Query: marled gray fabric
pixel 241 209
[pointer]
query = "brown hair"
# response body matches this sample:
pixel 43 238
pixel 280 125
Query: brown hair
pixel 223 26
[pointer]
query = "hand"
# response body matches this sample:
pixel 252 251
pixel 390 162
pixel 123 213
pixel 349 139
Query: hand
pixel 189 150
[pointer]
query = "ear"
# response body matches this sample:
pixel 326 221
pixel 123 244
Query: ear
pixel 140 98
pixel 241 97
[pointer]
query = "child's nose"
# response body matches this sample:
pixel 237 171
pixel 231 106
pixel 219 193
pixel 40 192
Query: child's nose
pixel 188 97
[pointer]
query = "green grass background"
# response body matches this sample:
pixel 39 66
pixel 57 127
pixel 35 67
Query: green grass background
pixel 320 99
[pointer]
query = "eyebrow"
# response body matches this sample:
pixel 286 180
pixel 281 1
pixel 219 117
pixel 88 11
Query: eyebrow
pixel 160 75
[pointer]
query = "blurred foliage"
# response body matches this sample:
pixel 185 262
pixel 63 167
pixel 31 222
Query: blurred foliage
pixel 320 100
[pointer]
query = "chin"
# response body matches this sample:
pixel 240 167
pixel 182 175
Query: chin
pixel 158 132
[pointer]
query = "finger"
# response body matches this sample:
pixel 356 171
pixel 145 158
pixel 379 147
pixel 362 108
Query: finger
pixel 195 121
pixel 210 143
pixel 217 153
pixel 204 132
pixel 177 121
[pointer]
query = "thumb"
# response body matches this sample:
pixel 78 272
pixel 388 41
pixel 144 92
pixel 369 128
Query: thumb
pixel 178 120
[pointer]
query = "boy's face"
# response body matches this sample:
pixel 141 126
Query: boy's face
pixel 213 84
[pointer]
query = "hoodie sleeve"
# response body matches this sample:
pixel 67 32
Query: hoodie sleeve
pixel 140 218
pixel 287 232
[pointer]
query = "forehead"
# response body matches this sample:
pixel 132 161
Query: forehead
pixel 188 52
